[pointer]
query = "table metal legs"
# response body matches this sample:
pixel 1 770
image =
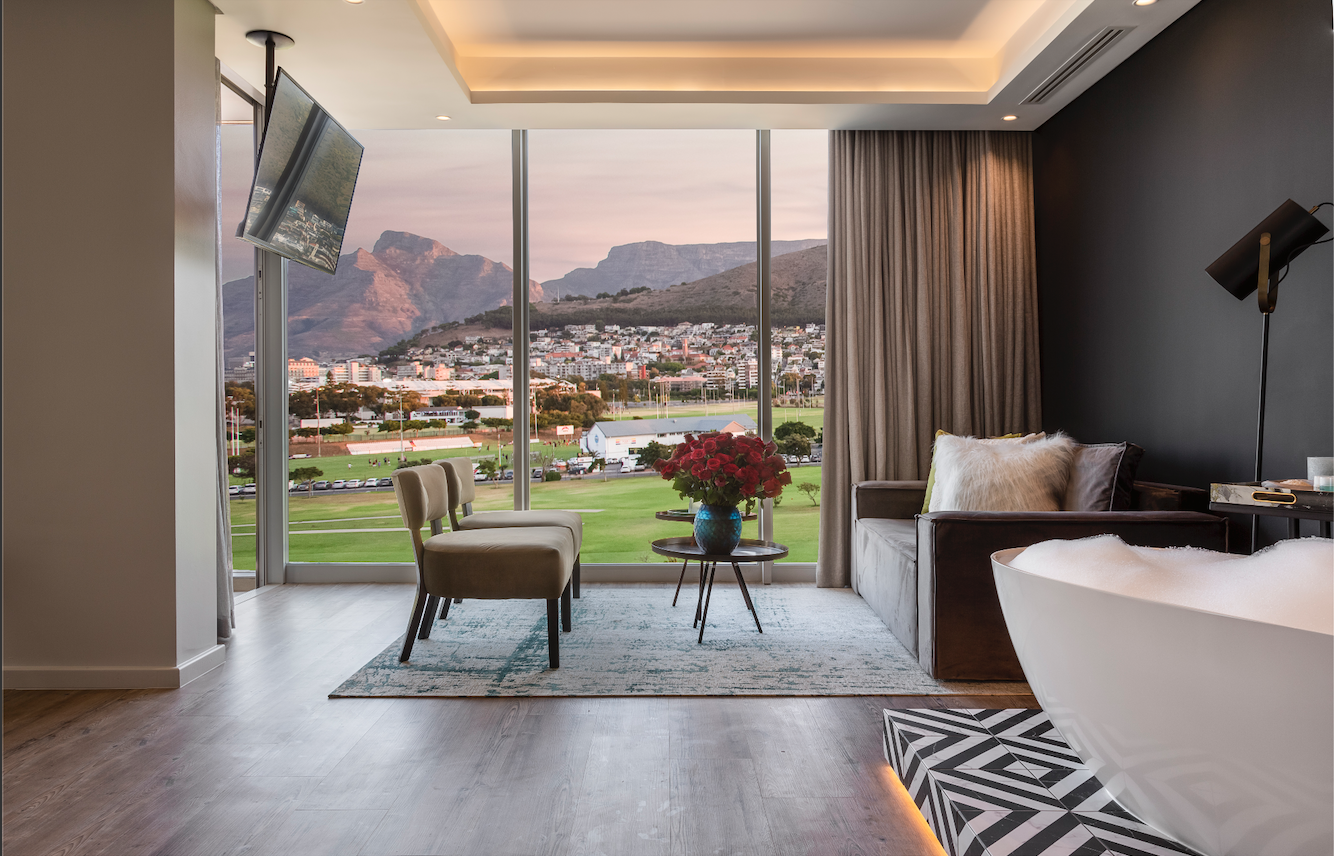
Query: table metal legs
pixel 704 619
pixel 706 594
pixel 684 565
pixel 745 592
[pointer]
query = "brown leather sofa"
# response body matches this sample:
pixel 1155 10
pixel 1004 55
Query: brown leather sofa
pixel 928 576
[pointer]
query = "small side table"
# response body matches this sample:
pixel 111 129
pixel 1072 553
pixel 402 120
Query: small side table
pixel 685 515
pixel 749 550
pixel 1256 499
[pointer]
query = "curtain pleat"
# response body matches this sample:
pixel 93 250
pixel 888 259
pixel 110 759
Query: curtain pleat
pixel 931 310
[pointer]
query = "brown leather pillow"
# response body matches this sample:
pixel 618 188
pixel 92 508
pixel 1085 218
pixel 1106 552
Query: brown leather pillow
pixel 1102 477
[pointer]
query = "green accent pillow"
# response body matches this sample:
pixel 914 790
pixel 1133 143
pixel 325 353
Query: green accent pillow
pixel 931 476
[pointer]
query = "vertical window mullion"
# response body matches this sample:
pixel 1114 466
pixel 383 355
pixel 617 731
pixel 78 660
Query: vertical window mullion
pixel 763 225
pixel 521 395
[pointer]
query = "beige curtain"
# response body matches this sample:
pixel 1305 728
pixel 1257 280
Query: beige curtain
pixel 931 310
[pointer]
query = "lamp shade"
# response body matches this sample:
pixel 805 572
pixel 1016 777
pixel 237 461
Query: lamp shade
pixel 1291 230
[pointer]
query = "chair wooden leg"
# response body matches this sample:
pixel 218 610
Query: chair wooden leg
pixel 553 631
pixel 565 610
pixel 576 576
pixel 418 608
pixel 428 617
pixel 444 609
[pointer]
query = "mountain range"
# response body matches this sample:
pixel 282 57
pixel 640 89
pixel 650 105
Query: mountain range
pixel 377 297
pixel 658 265
pixel 407 283
pixel 797 285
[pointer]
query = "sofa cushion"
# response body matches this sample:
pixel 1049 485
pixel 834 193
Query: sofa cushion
pixel 884 573
pixel 941 432
pixel 980 475
pixel 1102 477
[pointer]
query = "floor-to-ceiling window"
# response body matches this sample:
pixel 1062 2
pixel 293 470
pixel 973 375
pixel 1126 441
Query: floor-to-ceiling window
pixel 643 243
pixel 799 178
pixel 236 139
pixel 397 357
pixel 643 307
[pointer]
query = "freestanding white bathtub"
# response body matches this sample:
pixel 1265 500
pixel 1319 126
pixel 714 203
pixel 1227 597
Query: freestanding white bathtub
pixel 1216 729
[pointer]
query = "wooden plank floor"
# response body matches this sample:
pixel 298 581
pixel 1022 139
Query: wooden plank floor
pixel 253 758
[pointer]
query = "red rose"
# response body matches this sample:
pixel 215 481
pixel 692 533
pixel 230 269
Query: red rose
pixel 698 455
pixel 710 446
pixel 731 469
pixel 720 481
pixel 715 464
pixel 771 488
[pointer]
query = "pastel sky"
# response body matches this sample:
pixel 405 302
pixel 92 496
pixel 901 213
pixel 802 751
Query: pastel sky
pixel 588 191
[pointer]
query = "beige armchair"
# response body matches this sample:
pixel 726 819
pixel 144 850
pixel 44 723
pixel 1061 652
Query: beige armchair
pixel 462 492
pixel 528 563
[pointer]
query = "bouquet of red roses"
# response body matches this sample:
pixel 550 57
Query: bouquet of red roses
pixel 725 469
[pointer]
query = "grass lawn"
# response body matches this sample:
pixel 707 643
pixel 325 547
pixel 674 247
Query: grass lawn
pixel 618 520
pixel 813 416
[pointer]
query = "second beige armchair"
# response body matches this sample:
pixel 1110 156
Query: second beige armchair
pixel 462 492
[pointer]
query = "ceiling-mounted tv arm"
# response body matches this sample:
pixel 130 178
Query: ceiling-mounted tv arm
pixel 272 42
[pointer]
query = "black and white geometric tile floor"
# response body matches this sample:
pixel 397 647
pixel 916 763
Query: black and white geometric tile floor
pixel 1004 783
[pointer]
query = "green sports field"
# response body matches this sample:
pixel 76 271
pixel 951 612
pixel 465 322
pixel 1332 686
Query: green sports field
pixel 331 526
pixel 618 520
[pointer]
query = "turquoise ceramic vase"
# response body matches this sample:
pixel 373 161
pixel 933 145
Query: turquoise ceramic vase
pixel 718 529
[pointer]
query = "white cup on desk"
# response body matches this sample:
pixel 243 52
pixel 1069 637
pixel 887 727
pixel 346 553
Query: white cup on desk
pixel 1320 473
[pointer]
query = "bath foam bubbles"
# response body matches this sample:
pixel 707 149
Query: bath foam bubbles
pixel 1290 583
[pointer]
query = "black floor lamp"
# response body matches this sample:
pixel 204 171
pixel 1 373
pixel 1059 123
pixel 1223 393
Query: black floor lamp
pixel 1260 261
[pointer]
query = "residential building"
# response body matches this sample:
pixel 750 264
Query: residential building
pixel 617 440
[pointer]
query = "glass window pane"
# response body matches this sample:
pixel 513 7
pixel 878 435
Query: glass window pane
pixel 799 175
pixel 237 166
pixel 644 245
pixel 392 358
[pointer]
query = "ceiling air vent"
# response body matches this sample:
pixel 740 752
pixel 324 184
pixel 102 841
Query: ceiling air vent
pixel 1092 49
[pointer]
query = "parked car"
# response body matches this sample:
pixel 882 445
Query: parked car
pixel 373 482
pixel 508 475
pixel 577 469
pixel 321 485
pixel 295 486
pixel 338 484
pixel 478 476
pixel 537 472
pixel 248 488
pixel 350 483
pixel 234 489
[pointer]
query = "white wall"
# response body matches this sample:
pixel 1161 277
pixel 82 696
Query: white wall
pixel 109 247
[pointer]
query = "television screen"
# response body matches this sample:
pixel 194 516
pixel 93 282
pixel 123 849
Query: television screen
pixel 308 165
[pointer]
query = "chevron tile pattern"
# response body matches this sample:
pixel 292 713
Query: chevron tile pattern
pixel 1004 783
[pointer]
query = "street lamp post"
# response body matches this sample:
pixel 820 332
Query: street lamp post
pixel 401 454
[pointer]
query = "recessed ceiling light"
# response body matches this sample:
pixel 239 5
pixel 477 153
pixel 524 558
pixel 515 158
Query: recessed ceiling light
pixel 356 2
pixel 443 118
pixel 1137 2
pixel 1010 118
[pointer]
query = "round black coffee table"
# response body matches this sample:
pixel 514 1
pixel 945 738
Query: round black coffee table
pixel 685 515
pixel 749 550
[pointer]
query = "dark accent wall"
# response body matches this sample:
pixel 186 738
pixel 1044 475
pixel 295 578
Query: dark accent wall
pixel 1140 184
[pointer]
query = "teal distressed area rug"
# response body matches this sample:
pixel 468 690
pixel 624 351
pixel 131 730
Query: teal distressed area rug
pixel 628 640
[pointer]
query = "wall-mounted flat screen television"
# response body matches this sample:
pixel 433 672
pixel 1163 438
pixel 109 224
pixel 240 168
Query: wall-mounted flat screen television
pixel 308 165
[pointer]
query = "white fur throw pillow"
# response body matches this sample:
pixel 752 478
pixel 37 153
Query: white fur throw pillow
pixel 974 475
